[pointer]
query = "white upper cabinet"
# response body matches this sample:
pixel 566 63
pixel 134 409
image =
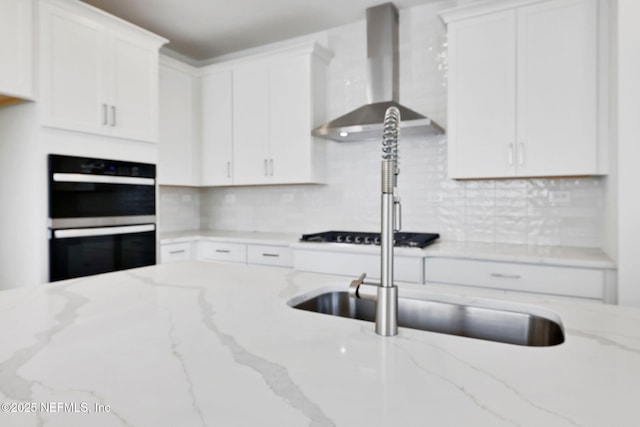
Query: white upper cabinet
pixel 482 94
pixel 251 123
pixel 178 149
pixel 217 128
pixel 257 118
pixel 523 89
pixel 292 158
pixel 99 74
pixel 16 49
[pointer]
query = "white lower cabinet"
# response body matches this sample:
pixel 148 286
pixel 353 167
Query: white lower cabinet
pixel 175 252
pixel 252 254
pixel 566 282
pixel 280 256
pixel 222 251
pixel 406 269
pixel 573 282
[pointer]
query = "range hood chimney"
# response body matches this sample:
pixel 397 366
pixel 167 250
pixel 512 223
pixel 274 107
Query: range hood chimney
pixel 365 123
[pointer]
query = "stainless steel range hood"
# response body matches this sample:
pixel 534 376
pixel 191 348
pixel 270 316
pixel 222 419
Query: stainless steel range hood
pixel 365 123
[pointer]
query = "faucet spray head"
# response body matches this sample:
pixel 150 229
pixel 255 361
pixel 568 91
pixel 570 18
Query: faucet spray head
pixel 391 131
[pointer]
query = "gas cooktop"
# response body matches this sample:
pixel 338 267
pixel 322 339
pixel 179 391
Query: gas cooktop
pixel 402 239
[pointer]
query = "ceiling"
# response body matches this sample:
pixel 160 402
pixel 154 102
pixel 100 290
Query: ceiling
pixel 203 29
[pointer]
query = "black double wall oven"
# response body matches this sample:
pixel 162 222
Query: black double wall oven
pixel 102 216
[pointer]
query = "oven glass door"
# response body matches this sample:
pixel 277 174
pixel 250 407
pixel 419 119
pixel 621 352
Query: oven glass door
pixel 91 196
pixel 86 251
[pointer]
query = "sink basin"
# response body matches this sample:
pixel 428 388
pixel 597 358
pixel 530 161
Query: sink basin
pixel 505 325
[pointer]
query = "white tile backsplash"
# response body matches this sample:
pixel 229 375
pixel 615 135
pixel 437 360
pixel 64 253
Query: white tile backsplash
pixel 179 209
pixel 567 212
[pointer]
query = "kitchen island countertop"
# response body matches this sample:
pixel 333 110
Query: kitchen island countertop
pixel 206 344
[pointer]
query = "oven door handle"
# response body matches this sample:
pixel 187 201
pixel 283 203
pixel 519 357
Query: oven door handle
pixel 102 231
pixel 102 179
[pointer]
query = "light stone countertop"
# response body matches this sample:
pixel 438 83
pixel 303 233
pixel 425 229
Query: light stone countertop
pixel 246 237
pixel 207 344
pixel 548 255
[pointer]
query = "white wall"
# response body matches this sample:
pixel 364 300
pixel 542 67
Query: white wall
pixel 627 77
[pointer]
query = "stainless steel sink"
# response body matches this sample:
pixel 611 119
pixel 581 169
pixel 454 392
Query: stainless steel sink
pixel 475 321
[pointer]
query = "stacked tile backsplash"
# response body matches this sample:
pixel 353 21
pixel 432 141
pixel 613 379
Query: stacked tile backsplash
pixel 179 209
pixel 567 212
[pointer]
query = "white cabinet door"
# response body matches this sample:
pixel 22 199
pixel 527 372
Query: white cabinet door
pixel 257 116
pixel 290 152
pixel 73 75
pixel 557 88
pixel 280 256
pixel 16 49
pixel 531 278
pixel 482 96
pixel 251 163
pixel 217 128
pixel 98 74
pixel 523 91
pixel 222 251
pixel 175 252
pixel 134 81
pixel 406 269
pixel 177 145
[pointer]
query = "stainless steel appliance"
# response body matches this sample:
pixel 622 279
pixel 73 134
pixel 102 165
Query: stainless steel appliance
pixel 401 239
pixel 383 87
pixel 102 216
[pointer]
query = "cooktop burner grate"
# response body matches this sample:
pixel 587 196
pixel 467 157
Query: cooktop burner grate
pixel 401 238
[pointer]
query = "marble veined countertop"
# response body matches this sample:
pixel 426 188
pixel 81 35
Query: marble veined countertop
pixel 206 344
pixel 534 254
pixel 247 237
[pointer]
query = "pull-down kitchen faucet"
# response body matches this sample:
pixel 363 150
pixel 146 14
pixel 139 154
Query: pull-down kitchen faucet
pixel 386 293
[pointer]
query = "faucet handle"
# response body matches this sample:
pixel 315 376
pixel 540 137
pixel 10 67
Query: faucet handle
pixel 359 281
pixel 360 289
pixel 355 284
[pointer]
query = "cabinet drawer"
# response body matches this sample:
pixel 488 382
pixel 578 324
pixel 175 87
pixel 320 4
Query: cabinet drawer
pixel 218 251
pixel 553 280
pixel 173 252
pixel 406 269
pixel 281 256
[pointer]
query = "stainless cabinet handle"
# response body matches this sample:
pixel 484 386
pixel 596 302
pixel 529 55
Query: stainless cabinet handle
pixel 272 255
pixel 271 163
pixel 223 251
pixel 105 119
pixel 181 251
pixel 228 169
pixel 113 115
pixel 521 154
pixel 506 276
pixel 510 154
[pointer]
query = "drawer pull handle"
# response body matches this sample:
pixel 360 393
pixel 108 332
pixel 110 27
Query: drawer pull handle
pixel 272 255
pixel 505 276
pixel 223 251
pixel 181 251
